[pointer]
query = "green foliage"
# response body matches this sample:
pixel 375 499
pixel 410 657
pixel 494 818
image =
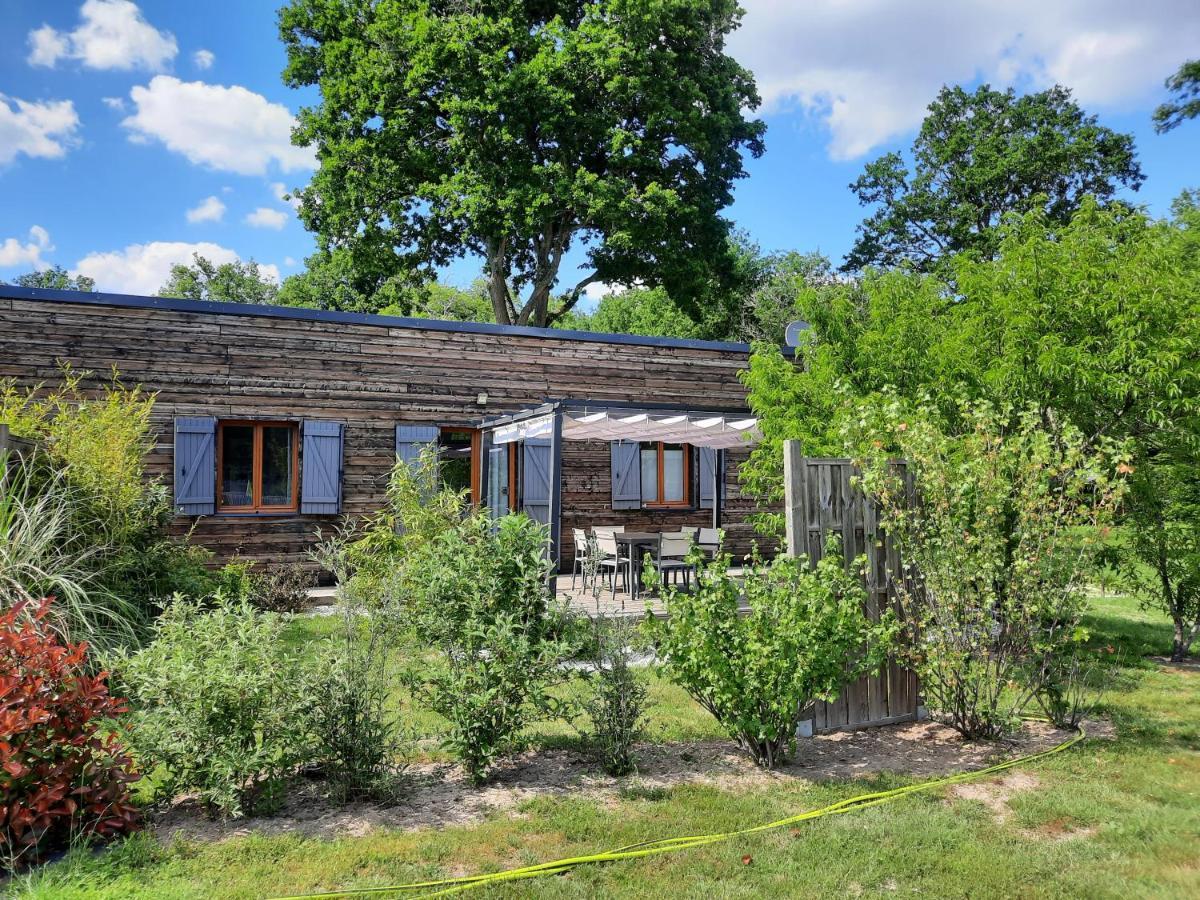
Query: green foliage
pixel 647 311
pixel 1096 323
pixel 108 517
pixel 1162 563
pixel 804 636
pixel 616 704
pixel 219 705
pixel 998 530
pixel 231 282
pixel 1184 104
pixel 481 601
pixel 355 732
pixel 518 131
pixel 55 278
pixel 977 157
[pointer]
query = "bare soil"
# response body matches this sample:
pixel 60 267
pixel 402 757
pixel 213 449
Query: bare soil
pixel 439 794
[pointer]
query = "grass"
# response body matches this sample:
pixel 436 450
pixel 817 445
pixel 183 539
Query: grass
pixel 1112 818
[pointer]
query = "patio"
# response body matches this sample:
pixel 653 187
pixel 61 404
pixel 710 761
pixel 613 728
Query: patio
pixel 665 476
pixel 603 603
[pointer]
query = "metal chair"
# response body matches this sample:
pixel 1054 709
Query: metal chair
pixel 672 558
pixel 579 563
pixel 609 559
pixel 710 540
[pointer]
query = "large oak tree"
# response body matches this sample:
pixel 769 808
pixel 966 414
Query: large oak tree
pixel 978 156
pixel 518 129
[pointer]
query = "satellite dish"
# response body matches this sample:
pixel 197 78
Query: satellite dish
pixel 791 336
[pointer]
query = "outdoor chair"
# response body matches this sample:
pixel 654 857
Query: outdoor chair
pixel 672 558
pixel 610 560
pixel 710 541
pixel 580 564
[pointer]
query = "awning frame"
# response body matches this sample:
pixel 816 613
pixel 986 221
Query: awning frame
pixel 547 420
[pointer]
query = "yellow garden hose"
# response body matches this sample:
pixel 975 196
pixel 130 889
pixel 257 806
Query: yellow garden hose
pixel 446 886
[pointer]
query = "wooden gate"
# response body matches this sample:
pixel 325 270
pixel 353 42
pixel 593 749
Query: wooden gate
pixel 819 501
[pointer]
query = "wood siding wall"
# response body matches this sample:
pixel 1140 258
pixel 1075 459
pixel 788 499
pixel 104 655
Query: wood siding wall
pixel 369 377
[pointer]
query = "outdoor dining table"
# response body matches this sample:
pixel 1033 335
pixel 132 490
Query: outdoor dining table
pixel 631 541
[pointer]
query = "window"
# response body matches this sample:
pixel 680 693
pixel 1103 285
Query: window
pixel 256 466
pixel 665 474
pixel 458 450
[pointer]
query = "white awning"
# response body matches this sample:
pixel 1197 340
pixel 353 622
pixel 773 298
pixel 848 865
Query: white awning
pixel 700 429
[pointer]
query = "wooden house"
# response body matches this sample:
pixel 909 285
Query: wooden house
pixel 273 423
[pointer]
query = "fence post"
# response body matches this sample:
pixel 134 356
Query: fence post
pixel 795 510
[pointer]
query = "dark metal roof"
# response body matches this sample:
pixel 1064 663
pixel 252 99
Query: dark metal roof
pixel 350 318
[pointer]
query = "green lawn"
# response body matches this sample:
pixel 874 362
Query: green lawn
pixel 1112 818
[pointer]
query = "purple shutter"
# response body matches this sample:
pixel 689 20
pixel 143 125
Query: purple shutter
pixel 321 468
pixel 626 475
pixel 535 485
pixel 411 440
pixel 708 460
pixel 195 466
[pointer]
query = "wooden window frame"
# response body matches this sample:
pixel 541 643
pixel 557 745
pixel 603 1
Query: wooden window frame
pixel 686 502
pixel 256 460
pixel 476 450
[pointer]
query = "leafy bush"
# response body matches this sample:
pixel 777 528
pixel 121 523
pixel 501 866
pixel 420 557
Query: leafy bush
pixel 93 446
pixel 1002 536
pixel 60 778
pixel 356 736
pixel 485 608
pixel 805 635
pixel 220 706
pixel 282 588
pixel 616 705
pixel 234 581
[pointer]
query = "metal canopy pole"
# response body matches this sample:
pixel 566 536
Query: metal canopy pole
pixel 556 441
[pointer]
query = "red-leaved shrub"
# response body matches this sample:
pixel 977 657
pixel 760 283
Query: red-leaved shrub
pixel 59 778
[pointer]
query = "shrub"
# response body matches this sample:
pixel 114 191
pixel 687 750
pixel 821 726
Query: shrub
pixel 61 779
pixel 220 705
pixel 92 450
pixel 804 636
pixel 355 733
pixel 43 553
pixel 234 581
pixel 616 705
pixel 1009 513
pixel 282 588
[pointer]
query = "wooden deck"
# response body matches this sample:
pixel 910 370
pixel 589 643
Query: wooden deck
pixel 605 603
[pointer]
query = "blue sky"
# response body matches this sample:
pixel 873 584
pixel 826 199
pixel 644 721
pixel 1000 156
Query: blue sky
pixel 132 134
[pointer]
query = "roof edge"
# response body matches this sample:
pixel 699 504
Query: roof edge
pixel 174 304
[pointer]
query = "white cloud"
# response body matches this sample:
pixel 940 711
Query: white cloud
pixel 867 69
pixel 203 59
pixel 112 34
pixel 144 268
pixel 14 253
pixel 598 290
pixel 211 209
pixel 283 195
pixel 39 129
pixel 117 104
pixel 265 217
pixel 230 129
pixel 289 261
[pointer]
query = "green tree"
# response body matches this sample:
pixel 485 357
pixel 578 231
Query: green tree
pixel 232 282
pixel 55 278
pixel 516 131
pixel 1096 323
pixel 646 311
pixel 1164 559
pixel 978 156
pixel 1184 86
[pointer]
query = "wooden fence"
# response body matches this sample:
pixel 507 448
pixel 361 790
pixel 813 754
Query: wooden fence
pixel 819 501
